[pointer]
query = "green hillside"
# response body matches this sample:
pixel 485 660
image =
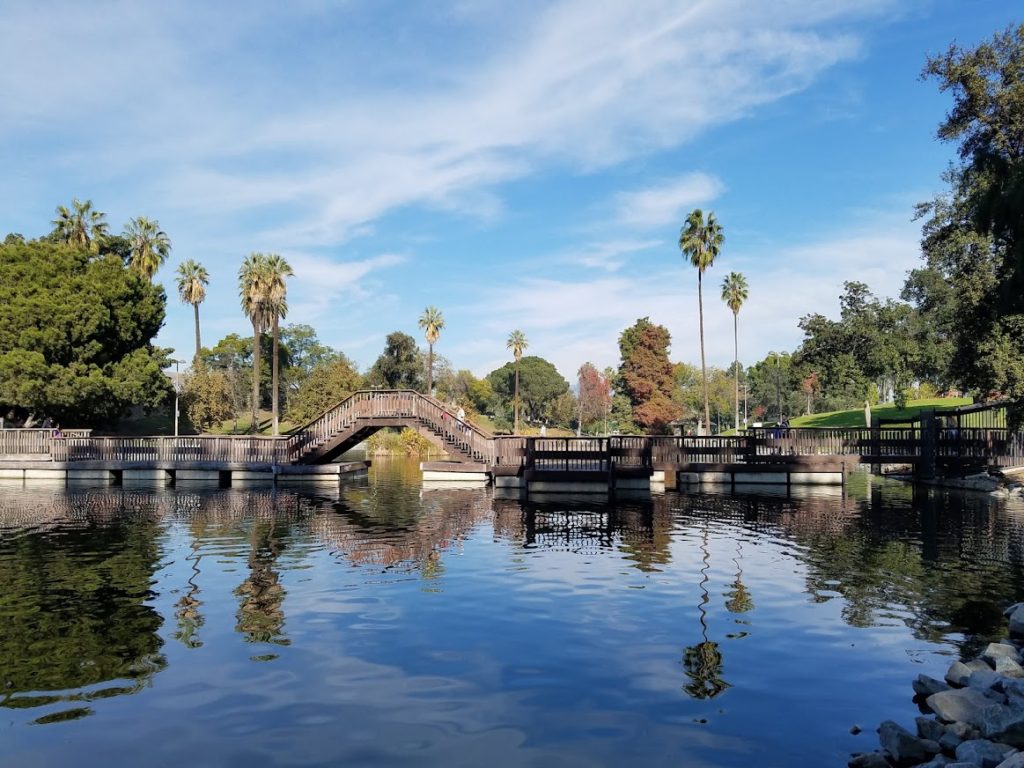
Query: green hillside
pixel 855 417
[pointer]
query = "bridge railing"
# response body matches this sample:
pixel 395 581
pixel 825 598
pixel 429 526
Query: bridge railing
pixel 35 443
pixel 177 450
pixel 980 445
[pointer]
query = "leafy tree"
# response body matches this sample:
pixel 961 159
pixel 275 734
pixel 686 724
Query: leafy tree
pixel 80 225
pixel 277 270
pixel 76 335
pixel 327 385
pixel 595 396
pixel 646 375
pixel 734 293
pixel 701 241
pixel 562 411
pixel 149 245
pixel 207 397
pixel 398 366
pixel 192 281
pixel 517 343
pixel 253 292
pixel 531 380
pixel 432 323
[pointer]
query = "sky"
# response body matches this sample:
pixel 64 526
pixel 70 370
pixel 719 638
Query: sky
pixel 518 165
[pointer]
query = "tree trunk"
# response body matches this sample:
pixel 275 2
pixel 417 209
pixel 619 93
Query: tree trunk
pixel 515 428
pixel 430 368
pixel 703 367
pixel 255 375
pixel 195 360
pixel 736 363
pixel 275 393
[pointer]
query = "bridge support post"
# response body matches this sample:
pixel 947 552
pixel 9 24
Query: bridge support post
pixel 927 463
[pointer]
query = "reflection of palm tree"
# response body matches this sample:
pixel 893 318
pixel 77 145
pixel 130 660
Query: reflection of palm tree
pixel 187 613
pixel 738 599
pixel 703 662
pixel 260 615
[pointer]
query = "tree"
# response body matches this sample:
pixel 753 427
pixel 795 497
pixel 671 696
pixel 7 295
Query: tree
pixel 595 396
pixel 207 398
pixel 646 375
pixel 327 385
pixel 517 343
pixel 81 225
pixel 76 335
pixel 974 234
pixel 734 293
pixel 398 366
pixel 192 282
pixel 252 290
pixel 432 323
pixel 277 270
pixel 531 381
pixel 701 241
pixel 149 245
pixel 232 356
pixel 810 385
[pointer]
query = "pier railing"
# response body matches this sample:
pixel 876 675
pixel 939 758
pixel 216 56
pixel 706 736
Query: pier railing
pixel 34 443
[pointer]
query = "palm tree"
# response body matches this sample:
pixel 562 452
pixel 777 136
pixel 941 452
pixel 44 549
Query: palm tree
pixel 252 290
pixel 277 308
pixel 432 323
pixel 149 245
pixel 80 225
pixel 192 282
pixel 517 343
pixel 734 293
pixel 701 241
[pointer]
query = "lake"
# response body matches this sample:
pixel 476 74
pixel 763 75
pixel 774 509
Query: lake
pixel 388 623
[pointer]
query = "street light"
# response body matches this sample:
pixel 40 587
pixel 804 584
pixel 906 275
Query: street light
pixel 177 389
pixel 778 384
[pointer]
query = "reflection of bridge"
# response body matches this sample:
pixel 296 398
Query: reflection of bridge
pixel 953 442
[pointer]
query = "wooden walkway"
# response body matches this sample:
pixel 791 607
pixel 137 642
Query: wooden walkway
pixel 970 439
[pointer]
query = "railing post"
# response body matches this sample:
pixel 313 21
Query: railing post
pixel 928 460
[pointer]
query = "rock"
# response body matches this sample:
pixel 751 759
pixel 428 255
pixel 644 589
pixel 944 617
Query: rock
pixel 1010 609
pixel 949 742
pixel 904 747
pixel 869 760
pixel 959 673
pixel 1014 690
pixel 984 679
pixel 1009 667
pixel 999 651
pixel 939 761
pixel 979 752
pixel 965 705
pixel 856 730
pixel 927 686
pixel 1017 620
pixel 1013 761
pixel 964 731
pixel 1005 724
pixel 929 728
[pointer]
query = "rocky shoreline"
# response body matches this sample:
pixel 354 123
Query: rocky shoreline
pixel 977 716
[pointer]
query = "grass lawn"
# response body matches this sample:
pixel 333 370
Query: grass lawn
pixel 855 417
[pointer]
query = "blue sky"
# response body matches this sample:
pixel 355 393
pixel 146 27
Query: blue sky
pixel 519 165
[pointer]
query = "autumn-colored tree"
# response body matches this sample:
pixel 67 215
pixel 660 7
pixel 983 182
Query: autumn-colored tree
pixel 811 386
pixel 595 396
pixel 646 375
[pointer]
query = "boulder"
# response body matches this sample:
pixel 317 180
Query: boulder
pixel 1010 609
pixel 927 686
pixel 1014 690
pixel 980 752
pixel 869 760
pixel 958 674
pixel 939 761
pixel 1009 667
pixel 984 679
pixel 1015 760
pixel 949 742
pixel 1004 724
pixel 999 651
pixel 903 746
pixel 1017 620
pixel 964 731
pixel 929 728
pixel 965 705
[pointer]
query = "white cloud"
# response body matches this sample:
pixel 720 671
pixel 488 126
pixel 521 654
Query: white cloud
pixel 667 202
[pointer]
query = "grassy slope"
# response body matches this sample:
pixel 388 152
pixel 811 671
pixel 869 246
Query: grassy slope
pixel 855 417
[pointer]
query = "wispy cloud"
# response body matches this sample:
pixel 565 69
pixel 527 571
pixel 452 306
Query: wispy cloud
pixel 665 203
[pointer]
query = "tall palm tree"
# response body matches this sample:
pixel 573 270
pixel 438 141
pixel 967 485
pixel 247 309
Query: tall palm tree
pixel 701 241
pixel 432 323
pixel 734 293
pixel 80 225
pixel 252 290
pixel 517 343
pixel 277 309
pixel 149 245
pixel 192 282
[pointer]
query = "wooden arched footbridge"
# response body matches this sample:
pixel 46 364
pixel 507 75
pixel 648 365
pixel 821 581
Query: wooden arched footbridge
pixel 957 441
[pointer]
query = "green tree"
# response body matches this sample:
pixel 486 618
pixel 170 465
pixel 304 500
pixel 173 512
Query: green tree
pixel 701 241
pixel 277 271
pixel 253 282
pixel 327 385
pixel 207 398
pixel 80 225
pixel 432 323
pixel 532 382
pixel 192 282
pixel 734 293
pixel 518 344
pixel 76 335
pixel 645 375
pixel 149 245
pixel 398 366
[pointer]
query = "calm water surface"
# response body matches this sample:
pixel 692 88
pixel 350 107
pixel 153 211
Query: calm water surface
pixel 390 624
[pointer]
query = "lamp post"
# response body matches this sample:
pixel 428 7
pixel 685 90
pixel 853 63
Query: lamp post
pixel 778 385
pixel 177 389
